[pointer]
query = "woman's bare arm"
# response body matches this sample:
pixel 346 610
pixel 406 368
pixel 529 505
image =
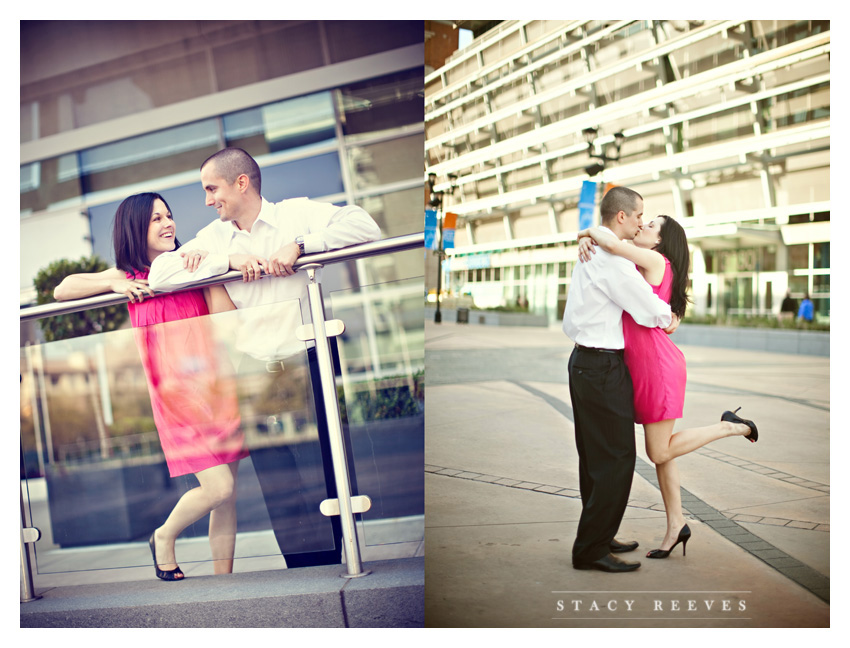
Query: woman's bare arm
pixel 87 284
pixel 651 261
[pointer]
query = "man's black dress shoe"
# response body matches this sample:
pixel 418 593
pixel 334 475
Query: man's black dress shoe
pixel 622 547
pixel 609 563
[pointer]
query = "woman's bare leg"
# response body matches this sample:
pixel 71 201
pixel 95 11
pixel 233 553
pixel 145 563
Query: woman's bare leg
pixel 658 437
pixel 662 445
pixel 223 530
pixel 217 485
pixel 671 494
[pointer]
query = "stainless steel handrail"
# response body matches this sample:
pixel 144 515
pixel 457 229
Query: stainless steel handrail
pixel 360 251
pixel 311 262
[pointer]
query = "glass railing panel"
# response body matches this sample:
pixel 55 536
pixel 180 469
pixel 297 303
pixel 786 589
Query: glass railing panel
pixel 97 478
pixel 381 388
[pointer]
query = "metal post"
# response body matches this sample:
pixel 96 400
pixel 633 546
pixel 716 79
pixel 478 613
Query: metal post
pixel 27 536
pixel 438 317
pixel 36 418
pixel 326 374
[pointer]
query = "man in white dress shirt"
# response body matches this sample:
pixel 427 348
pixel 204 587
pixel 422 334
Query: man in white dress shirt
pixel 260 238
pixel 600 384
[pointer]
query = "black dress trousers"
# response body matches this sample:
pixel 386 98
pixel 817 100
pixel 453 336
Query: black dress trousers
pixel 295 478
pixel 603 412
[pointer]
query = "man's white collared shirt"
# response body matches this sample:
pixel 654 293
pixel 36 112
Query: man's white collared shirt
pixel 268 332
pixel 601 289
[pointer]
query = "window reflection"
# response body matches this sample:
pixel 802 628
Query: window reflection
pixel 109 91
pixel 313 177
pixel 149 156
pixel 385 162
pixel 283 125
pixel 393 213
pixel 396 214
pixel 798 256
pixel 137 159
pixel 292 125
pixel 821 256
pixel 49 182
pixel 384 102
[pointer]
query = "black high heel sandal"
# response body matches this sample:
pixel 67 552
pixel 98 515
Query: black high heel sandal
pixel 166 575
pixel 753 436
pixel 684 536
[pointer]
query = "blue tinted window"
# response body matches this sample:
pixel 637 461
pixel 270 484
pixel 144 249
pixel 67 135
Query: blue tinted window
pixel 282 126
pixel 150 156
pixel 313 177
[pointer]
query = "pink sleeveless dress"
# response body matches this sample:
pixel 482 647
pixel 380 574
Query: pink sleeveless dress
pixel 656 365
pixel 192 389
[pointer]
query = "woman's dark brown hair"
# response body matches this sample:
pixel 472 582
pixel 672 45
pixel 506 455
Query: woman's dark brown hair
pixel 674 246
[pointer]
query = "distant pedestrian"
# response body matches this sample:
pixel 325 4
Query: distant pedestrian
pixel 788 310
pixel 807 311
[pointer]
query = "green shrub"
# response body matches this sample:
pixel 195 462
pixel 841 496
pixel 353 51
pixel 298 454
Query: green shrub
pixel 393 399
pixel 62 327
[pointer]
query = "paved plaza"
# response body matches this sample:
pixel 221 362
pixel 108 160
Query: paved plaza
pixel 503 503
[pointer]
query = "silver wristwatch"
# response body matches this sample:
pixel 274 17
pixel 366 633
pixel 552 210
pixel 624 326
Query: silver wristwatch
pixel 299 241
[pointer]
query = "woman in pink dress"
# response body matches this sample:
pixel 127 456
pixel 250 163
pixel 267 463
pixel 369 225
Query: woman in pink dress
pixel 657 366
pixel 193 396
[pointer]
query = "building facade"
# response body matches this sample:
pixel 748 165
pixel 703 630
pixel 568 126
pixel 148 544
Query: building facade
pixel 724 125
pixel 331 110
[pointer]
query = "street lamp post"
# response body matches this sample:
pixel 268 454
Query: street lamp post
pixel 596 168
pixel 590 138
pixel 436 201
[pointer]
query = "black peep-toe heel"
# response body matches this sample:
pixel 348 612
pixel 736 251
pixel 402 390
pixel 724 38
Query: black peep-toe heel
pixel 166 575
pixel 753 436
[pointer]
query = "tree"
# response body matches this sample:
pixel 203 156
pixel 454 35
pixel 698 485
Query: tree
pixel 61 327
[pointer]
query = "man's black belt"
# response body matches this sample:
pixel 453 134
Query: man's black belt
pixel 594 350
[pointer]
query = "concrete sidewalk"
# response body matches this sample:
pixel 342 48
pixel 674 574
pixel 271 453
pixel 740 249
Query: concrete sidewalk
pixel 114 585
pixel 502 500
pixel 83 588
pixel 310 597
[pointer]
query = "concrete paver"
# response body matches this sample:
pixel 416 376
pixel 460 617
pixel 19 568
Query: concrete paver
pixel 497 406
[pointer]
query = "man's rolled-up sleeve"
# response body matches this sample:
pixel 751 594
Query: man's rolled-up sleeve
pixel 629 290
pixel 334 227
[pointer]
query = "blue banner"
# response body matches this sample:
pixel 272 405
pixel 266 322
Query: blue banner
pixel 586 204
pixel 430 229
pixel 448 239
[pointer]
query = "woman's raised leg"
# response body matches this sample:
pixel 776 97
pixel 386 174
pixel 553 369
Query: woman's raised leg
pixel 662 445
